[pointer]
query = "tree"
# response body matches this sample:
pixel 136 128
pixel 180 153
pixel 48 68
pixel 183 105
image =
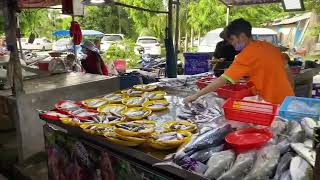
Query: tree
pixel 107 20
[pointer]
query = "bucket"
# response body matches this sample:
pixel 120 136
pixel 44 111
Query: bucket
pixel 196 63
pixel 120 65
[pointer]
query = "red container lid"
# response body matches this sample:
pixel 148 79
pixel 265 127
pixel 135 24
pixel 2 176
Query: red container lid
pixel 248 139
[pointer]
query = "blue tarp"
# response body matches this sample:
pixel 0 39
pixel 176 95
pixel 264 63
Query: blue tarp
pixel 84 33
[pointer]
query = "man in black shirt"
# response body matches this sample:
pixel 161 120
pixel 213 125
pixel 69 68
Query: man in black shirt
pixel 225 51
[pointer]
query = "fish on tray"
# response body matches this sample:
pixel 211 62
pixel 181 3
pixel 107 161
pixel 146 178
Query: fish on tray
pixel 151 95
pixel 306 153
pixel 133 92
pixel 299 168
pixel 113 97
pixel 69 106
pixel 135 126
pixel 54 113
pixel 132 113
pixel 99 129
pixel 205 154
pixel 136 101
pixel 183 127
pixel 83 113
pixel 170 136
pixel 106 118
pixel 95 103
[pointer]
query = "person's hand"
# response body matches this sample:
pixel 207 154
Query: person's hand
pixel 190 99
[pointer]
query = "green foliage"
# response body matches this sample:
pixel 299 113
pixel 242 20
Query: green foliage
pixel 107 19
pixel 122 50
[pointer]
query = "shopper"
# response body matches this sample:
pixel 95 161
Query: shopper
pixel 260 61
pixel 93 63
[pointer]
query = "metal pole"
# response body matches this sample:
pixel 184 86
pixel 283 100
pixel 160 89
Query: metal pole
pixel 176 48
pixel 171 63
pixel 74 45
pixel 14 74
pixel 228 15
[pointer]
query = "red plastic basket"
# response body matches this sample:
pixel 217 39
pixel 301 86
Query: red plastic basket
pixel 250 112
pixel 236 91
pixel 204 82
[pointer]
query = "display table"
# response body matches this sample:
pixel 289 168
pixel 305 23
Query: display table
pixel 120 161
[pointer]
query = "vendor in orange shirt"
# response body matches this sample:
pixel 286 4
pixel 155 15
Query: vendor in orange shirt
pixel 260 61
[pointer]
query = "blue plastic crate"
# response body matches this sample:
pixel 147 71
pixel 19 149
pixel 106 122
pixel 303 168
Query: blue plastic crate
pixel 313 110
pixel 196 63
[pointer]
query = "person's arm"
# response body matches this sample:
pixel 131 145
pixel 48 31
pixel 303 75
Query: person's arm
pixel 217 83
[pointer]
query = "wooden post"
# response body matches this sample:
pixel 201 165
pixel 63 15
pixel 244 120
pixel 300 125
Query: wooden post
pixel 14 73
pixel 176 47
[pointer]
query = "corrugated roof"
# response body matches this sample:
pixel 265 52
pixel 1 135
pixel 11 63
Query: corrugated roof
pixel 291 19
pixel 248 2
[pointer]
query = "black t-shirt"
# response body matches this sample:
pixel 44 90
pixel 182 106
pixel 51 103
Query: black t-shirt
pixel 225 50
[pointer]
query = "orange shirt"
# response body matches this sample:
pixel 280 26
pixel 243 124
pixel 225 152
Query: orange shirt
pixel 264 65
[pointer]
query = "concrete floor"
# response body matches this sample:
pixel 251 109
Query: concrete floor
pixel 34 168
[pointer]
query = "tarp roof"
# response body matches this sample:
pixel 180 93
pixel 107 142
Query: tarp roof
pixel 37 3
pixel 291 20
pixel 84 33
pixel 247 2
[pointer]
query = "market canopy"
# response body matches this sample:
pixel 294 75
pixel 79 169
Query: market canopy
pixel 37 3
pixel 84 33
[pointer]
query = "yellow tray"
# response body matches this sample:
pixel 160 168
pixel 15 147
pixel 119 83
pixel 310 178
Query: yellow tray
pixel 125 92
pixel 69 122
pixel 85 102
pixel 89 131
pixel 145 87
pixel 131 139
pixel 148 112
pixel 149 124
pixel 104 108
pixel 160 93
pixel 125 102
pixel 114 101
pixel 170 144
pixel 149 103
pixel 123 142
pixel 167 125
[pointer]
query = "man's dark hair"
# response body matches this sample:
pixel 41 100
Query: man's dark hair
pixel 239 26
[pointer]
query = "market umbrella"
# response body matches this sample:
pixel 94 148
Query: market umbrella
pixel 84 33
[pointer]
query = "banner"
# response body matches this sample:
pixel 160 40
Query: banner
pixel 37 3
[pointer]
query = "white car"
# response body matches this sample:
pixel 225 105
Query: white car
pixel 150 44
pixel 38 44
pixel 109 39
pixel 210 40
pixel 63 44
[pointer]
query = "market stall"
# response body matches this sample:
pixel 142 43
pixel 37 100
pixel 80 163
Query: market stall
pixel 130 133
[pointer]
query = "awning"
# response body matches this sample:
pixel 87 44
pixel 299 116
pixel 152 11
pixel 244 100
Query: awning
pixel 247 2
pixel 37 3
pixel 84 33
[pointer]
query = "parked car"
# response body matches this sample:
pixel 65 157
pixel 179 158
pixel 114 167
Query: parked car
pixel 63 44
pixel 109 39
pixel 38 44
pixel 210 40
pixel 150 45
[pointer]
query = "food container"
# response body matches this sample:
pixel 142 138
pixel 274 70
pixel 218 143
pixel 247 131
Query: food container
pixel 236 91
pixel 116 140
pixel 204 82
pixel 163 145
pixel 129 111
pixel 145 87
pixel 111 100
pixel 89 103
pixel 52 115
pixel 148 125
pixel 157 95
pixel 93 132
pixel 151 105
pixel 248 139
pixel 250 112
pixel 128 104
pixel 71 121
pixel 60 106
pixel 180 126
pixel 112 108
pixel 296 108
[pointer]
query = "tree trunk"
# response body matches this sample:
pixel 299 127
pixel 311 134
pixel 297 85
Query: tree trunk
pixel 186 42
pixel 191 38
pixel 14 74
pixel 199 36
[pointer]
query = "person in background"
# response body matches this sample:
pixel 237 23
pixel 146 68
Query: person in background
pixel 287 59
pixel 260 61
pixel 225 52
pixel 97 43
pixel 72 64
pixel 93 62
